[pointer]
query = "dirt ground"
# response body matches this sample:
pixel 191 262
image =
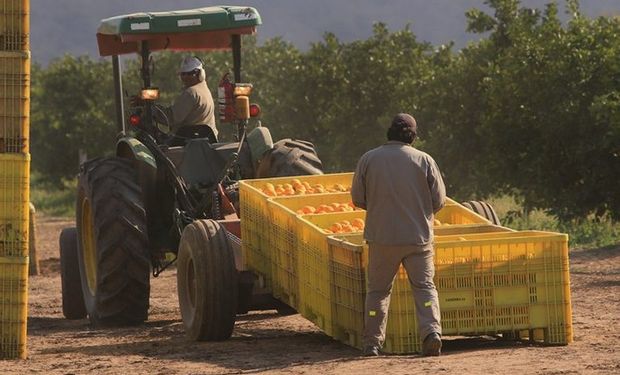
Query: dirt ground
pixel 267 343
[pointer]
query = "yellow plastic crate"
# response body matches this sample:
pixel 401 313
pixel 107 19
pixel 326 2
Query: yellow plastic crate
pixel 314 282
pixel 452 214
pixel 14 25
pixel 255 224
pixel 313 266
pixel 460 229
pixel 347 273
pixel 506 282
pixel 13 306
pixel 14 204
pixel 283 240
pixel 14 101
pixel 347 264
pixel 510 282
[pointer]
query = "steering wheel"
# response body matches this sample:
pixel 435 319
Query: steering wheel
pixel 160 114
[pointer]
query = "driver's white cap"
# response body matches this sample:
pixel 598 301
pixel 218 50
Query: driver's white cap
pixel 189 64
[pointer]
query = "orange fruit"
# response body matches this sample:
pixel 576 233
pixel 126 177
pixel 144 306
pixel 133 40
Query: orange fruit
pixel 308 209
pixel 336 228
pixel 359 223
pixel 348 229
pixel 321 209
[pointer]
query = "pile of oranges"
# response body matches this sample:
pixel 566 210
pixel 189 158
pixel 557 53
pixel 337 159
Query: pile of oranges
pixel 327 208
pixel 346 226
pixel 297 187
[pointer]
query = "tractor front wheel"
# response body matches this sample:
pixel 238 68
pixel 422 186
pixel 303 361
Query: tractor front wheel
pixel 207 281
pixel 112 243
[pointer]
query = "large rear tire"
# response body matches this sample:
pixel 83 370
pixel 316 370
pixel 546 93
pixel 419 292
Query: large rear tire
pixel 207 282
pixel 72 299
pixel 112 243
pixel 290 157
pixel 483 209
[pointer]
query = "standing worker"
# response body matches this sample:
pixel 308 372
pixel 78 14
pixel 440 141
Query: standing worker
pixel 401 188
pixel 192 113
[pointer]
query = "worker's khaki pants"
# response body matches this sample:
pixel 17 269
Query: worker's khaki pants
pixel 383 263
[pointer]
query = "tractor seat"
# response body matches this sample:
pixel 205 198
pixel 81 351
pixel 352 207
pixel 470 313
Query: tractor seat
pixel 187 132
pixel 201 164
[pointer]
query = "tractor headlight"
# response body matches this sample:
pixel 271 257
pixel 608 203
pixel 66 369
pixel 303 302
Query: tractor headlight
pixel 243 89
pixel 149 94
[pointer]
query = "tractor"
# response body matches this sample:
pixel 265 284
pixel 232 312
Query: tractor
pixel 155 203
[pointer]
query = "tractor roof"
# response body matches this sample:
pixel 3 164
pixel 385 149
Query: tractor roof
pixel 193 29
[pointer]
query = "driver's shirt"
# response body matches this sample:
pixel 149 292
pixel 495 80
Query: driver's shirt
pixel 194 106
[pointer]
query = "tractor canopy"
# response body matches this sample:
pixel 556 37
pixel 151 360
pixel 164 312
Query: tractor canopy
pixel 208 28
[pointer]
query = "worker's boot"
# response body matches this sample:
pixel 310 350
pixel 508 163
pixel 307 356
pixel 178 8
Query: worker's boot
pixel 370 351
pixel 431 345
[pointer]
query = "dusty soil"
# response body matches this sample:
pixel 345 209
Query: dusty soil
pixel 267 343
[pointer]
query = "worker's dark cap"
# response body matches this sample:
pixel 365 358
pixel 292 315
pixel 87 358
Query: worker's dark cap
pixel 404 121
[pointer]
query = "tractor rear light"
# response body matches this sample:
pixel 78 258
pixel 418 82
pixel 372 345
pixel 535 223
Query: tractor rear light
pixel 254 110
pixel 135 120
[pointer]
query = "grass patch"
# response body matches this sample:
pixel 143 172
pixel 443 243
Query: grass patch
pixel 584 233
pixel 53 200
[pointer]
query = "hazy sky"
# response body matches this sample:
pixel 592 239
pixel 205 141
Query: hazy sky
pixel 69 26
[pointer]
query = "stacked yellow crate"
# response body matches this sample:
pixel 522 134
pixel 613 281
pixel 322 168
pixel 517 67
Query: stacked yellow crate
pixel 258 227
pixel 14 175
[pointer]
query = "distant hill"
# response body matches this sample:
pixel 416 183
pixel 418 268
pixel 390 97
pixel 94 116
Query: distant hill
pixel 68 26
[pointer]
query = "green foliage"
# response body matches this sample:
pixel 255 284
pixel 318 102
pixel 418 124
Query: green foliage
pixel 53 199
pixel 72 112
pixel 590 232
pixel 532 110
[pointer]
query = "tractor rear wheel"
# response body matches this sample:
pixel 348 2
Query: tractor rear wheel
pixel 290 157
pixel 207 281
pixel 72 299
pixel 112 243
pixel 483 209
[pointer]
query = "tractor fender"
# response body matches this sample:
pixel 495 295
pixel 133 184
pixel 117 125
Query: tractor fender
pixel 157 198
pixel 131 148
pixel 260 141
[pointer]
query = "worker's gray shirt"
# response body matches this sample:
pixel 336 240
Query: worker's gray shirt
pixel 194 106
pixel 401 189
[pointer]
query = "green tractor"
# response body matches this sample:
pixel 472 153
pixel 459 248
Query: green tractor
pixel 156 203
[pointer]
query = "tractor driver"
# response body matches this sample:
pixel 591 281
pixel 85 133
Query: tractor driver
pixel 192 113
